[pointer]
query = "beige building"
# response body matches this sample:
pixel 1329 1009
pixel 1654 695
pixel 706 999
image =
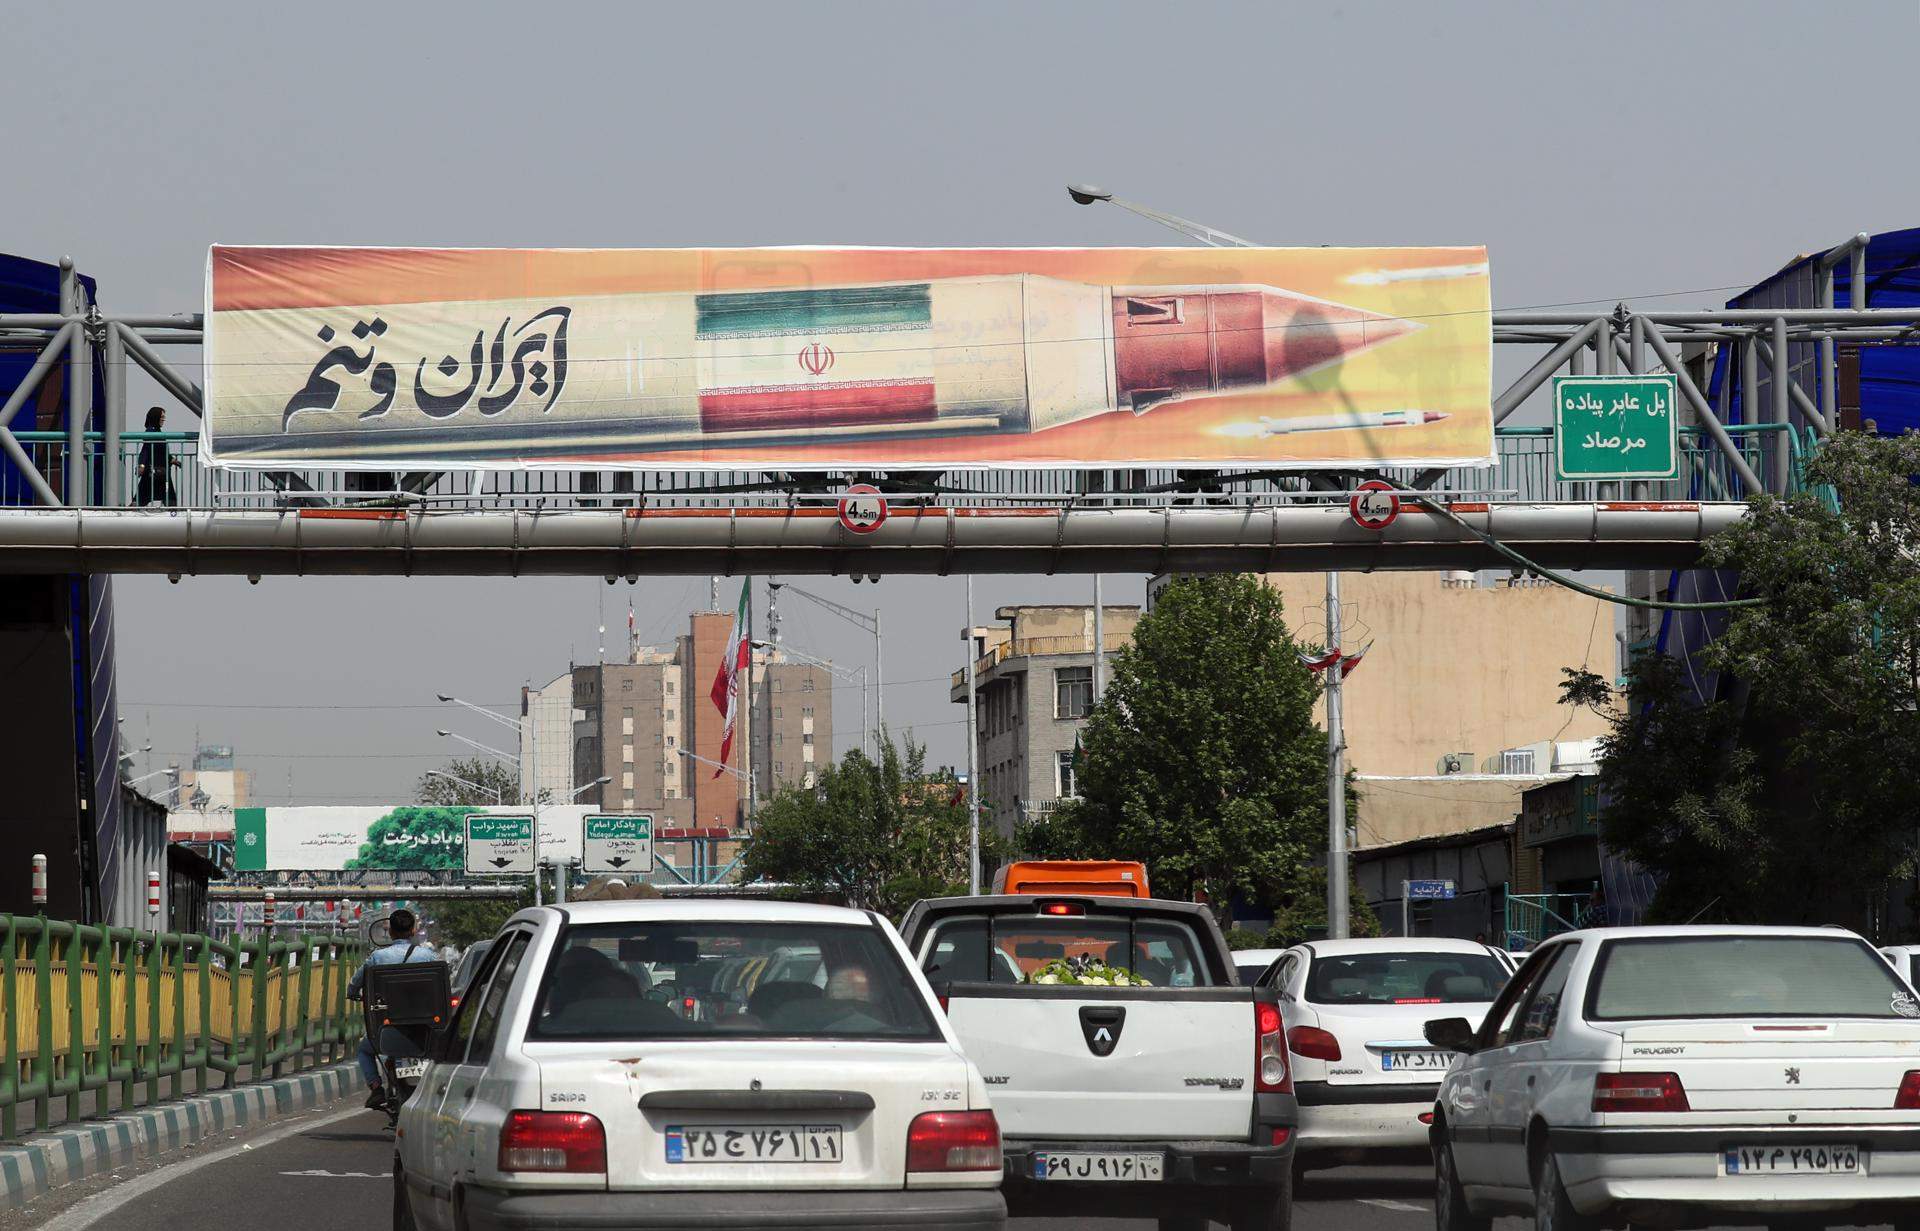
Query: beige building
pixel 1034 677
pixel 651 728
pixel 1458 675
pixel 214 784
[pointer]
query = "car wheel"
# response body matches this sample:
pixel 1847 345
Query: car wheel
pixel 402 1206
pixel 1265 1209
pixel 1450 1212
pixel 1552 1210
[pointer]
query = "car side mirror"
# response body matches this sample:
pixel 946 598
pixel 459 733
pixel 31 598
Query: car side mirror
pixel 1453 1034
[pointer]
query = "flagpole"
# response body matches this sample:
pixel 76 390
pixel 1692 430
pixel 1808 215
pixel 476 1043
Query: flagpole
pixel 753 796
pixel 1337 924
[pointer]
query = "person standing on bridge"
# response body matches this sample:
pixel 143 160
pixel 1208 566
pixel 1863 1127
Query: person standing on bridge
pixel 154 473
pixel 406 947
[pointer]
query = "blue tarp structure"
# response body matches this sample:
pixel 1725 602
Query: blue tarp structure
pixel 34 287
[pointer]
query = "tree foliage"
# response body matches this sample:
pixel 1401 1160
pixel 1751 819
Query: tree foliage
pixel 879 835
pixel 1202 759
pixel 493 781
pixel 1789 796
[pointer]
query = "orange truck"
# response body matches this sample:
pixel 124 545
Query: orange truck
pixel 1119 878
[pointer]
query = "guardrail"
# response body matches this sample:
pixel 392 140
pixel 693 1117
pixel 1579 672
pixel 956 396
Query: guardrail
pixel 1523 471
pixel 1532 917
pixel 88 1008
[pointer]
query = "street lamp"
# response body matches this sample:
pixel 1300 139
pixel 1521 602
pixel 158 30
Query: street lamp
pixel 474 743
pixel 500 718
pixel 1337 905
pixel 498 795
pixel 836 670
pixel 1088 194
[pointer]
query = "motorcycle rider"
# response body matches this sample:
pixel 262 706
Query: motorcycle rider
pixel 406 947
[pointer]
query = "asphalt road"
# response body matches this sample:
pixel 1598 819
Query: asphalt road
pixel 332 1171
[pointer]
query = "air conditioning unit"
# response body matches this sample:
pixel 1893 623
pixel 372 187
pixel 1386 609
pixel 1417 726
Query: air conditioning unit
pixel 1455 763
pixel 1517 761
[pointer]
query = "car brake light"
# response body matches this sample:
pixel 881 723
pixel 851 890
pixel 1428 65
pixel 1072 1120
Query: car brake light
pixel 1313 1043
pixel 1062 908
pixel 1639 1092
pixel 1909 1097
pixel 553 1141
pixel 1270 1049
pixel 954 1141
pixel 943 1003
pixel 1282 1136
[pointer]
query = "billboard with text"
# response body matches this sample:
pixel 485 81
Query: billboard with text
pixel 389 838
pixel 809 359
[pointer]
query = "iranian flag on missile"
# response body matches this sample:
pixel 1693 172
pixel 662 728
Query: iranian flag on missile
pixel 816 358
pixel 726 681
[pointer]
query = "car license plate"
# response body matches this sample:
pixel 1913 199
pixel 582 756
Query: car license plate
pixel 1793 1160
pixel 1402 1061
pixel 1097 1168
pixel 409 1070
pixel 755 1143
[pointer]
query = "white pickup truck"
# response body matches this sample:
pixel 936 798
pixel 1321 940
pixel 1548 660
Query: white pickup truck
pixel 1172 1100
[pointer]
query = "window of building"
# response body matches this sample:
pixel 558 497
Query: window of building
pixel 806 711
pixel 806 737
pixel 656 741
pixel 776 711
pixel 626 685
pixel 669 741
pixel 779 768
pixel 806 754
pixel 806 685
pixel 626 781
pixel 670 687
pixel 670 717
pixel 1072 692
pixel 1065 783
pixel 626 724
pixel 779 737
pixel 626 753
pixel 672 794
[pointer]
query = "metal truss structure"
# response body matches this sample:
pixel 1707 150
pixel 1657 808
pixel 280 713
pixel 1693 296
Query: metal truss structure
pixel 627 525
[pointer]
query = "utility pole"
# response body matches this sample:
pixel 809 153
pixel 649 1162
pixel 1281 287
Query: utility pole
pixel 1337 927
pixel 1099 643
pixel 973 757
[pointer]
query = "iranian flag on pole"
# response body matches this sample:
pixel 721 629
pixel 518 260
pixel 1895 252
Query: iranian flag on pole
pixel 726 682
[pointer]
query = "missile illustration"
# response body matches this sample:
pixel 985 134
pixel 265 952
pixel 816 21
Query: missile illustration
pixel 641 372
pixel 1358 419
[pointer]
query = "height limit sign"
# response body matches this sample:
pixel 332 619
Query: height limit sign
pixel 616 844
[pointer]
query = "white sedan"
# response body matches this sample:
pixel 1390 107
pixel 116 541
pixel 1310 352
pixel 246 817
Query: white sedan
pixel 1356 1012
pixel 1684 1076
pixel 593 1076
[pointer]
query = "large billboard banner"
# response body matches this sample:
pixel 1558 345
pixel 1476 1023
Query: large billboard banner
pixel 809 359
pixel 394 838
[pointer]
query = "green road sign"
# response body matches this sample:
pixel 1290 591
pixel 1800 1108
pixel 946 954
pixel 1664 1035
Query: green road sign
pixel 1615 427
pixel 499 845
pixel 616 843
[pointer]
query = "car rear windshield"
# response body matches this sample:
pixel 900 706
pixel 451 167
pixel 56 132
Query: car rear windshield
pixel 679 980
pixel 1743 976
pixel 1405 978
pixel 1008 948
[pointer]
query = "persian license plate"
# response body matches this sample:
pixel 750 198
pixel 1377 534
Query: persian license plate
pixel 409 1070
pixel 1793 1160
pixel 755 1143
pixel 1403 1061
pixel 1086 1167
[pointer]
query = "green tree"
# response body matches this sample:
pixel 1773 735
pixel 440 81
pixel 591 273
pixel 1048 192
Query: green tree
pixel 879 835
pixel 1202 759
pixel 462 922
pixel 491 783
pixel 1788 797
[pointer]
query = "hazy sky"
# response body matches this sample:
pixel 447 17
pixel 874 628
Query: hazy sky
pixel 1611 151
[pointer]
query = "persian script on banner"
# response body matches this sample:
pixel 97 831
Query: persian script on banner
pixel 808 359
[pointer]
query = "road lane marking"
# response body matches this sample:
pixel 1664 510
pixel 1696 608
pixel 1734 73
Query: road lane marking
pixel 1398 1207
pixel 323 1173
pixel 98 1206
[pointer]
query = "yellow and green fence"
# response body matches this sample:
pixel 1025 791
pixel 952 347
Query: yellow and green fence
pixel 90 1008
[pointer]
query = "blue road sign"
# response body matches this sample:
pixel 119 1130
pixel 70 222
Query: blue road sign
pixel 1430 891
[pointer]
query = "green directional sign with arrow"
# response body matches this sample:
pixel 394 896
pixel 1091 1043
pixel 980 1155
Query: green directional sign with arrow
pixel 616 844
pixel 499 845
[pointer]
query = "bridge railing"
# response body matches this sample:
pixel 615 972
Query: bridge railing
pixel 1523 471
pixel 86 1009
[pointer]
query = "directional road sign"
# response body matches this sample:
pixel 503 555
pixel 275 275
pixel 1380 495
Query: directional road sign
pixel 615 843
pixel 1430 890
pixel 499 845
pixel 1615 427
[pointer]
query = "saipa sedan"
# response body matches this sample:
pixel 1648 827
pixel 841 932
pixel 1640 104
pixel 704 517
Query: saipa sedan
pixel 1356 1011
pixel 1683 1076
pixel 576 1087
